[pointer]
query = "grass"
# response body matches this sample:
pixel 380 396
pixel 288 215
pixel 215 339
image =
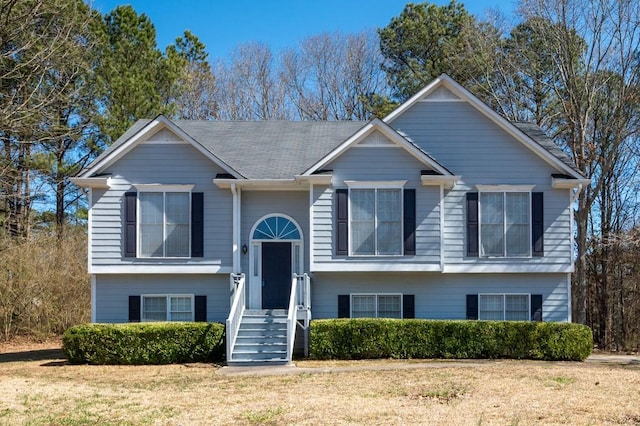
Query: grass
pixel 42 389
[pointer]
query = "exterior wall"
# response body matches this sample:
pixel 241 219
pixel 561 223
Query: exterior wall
pixel 440 296
pixel 475 148
pixel 377 164
pixel 164 163
pixel 113 291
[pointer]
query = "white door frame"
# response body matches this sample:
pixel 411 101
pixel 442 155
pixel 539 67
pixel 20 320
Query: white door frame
pixel 254 299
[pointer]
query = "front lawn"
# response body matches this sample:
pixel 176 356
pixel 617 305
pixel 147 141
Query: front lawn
pixel 46 390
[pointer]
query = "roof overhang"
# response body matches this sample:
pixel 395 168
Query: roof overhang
pixel 465 95
pixel 447 181
pixel 262 184
pixel 377 125
pixel 569 183
pixel 99 182
pixel 148 130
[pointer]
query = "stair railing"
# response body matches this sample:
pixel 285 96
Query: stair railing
pixel 292 317
pixel 237 284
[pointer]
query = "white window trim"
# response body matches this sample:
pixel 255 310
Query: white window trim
pixel 376 302
pixel 168 297
pixel 375 185
pixel 504 304
pixel 164 189
pixel 505 189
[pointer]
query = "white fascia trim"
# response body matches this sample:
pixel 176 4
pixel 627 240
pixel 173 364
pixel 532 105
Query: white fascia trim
pixel 506 268
pixel 160 269
pixel 505 188
pixel 159 187
pixel 101 182
pixel 560 183
pixel 386 130
pixel 158 123
pixel 263 184
pixel 382 266
pixel 439 180
pixel 322 179
pixel 464 94
pixel 355 184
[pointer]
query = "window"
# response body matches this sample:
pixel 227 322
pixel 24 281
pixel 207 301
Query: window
pixel 164 224
pixel 509 307
pixel 375 221
pixel 167 308
pixel 505 224
pixel 376 306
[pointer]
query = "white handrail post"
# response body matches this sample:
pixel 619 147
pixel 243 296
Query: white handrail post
pixel 236 311
pixel 292 317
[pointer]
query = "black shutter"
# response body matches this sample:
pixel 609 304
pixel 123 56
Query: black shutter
pixel 130 224
pixel 472 306
pixel 344 306
pixel 409 221
pixel 342 222
pixel 408 306
pixel 537 228
pixel 200 306
pixel 134 308
pixel 197 224
pixel 472 225
pixel 536 307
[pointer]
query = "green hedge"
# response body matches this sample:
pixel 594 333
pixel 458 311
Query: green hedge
pixel 415 338
pixel 144 343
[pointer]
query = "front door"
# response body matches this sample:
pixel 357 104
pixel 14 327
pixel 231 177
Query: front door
pixel 276 275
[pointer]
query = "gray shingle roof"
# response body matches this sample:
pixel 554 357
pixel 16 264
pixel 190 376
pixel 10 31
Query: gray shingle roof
pixel 540 137
pixel 283 149
pixel 270 149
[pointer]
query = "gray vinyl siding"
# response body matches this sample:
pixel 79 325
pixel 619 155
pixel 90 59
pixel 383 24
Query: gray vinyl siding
pixel 377 164
pixel 257 204
pixel 439 296
pixel 113 291
pixel 482 153
pixel 161 164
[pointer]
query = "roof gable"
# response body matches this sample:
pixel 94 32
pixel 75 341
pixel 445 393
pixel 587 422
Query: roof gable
pixel 160 129
pixel 378 133
pixel 445 89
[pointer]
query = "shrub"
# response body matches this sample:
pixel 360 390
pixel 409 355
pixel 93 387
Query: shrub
pixel 416 338
pixel 144 343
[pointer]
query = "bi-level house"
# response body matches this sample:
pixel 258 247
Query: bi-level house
pixel 443 209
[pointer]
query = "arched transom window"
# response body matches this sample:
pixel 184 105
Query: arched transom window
pixel 276 228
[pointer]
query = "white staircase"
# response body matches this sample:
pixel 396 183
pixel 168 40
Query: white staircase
pixel 266 336
pixel 261 338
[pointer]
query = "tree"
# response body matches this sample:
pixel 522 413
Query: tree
pixel 597 89
pixel 335 77
pixel 43 58
pixel 423 42
pixel 134 79
pixel 196 86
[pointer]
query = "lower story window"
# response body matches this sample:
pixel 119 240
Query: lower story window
pixel 509 307
pixel 160 307
pixel 376 306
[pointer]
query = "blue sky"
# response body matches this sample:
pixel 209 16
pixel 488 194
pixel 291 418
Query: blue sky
pixel 223 24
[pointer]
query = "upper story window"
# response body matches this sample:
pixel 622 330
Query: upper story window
pixel 164 221
pixel 375 218
pixel 505 223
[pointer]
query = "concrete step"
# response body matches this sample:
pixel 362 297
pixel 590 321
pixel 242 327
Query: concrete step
pixel 266 312
pixel 263 332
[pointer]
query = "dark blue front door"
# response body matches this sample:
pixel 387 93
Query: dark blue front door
pixel 276 275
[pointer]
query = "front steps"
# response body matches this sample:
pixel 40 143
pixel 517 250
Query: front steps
pixel 261 339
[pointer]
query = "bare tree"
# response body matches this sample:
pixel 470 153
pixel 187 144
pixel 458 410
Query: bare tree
pixel 330 76
pixel 604 68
